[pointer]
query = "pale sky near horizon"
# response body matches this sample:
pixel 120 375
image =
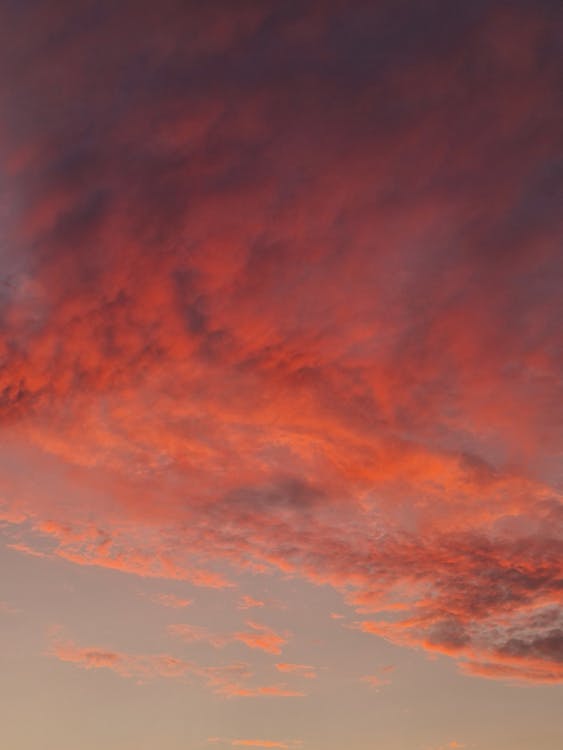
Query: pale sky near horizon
pixel 280 375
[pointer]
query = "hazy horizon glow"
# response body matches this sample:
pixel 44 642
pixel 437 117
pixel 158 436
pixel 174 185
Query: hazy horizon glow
pixel 280 382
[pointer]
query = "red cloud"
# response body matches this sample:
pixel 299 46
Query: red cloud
pixel 311 327
pixel 301 669
pixel 259 743
pixel 140 667
pixel 263 638
pixel 7 609
pixel 230 681
pixel 374 681
pixel 259 637
pixel 256 743
pixel 171 600
pixel 248 602
pixel 87 545
pixel 195 633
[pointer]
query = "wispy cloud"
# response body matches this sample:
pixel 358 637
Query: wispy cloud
pixel 248 602
pixel 262 637
pixel 259 743
pixel 171 600
pixel 229 680
pixel 259 636
pixel 8 609
pixel 199 634
pixel 374 681
pixel 304 670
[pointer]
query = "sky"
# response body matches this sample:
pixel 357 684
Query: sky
pixel 280 374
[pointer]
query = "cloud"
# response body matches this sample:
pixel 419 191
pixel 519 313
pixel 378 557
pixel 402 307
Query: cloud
pixel 26 549
pixel 259 637
pixel 304 670
pixel 380 679
pixel 8 609
pixel 142 668
pixel 256 743
pixel 171 600
pixel 519 672
pixel 259 743
pixel 374 680
pixel 91 546
pixel 293 312
pixel 248 602
pixel 262 637
pixel 230 680
pixel 488 648
pixel 197 633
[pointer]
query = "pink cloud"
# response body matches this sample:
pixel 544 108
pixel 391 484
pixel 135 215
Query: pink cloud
pixel 374 680
pixel 248 602
pixel 196 633
pixel 142 668
pixel 8 609
pixel 172 601
pixel 262 637
pixel 85 544
pixel 304 670
pixel 259 743
pixel 230 680
pixel 256 743
pixel 26 549
pixel 315 340
pixel 258 637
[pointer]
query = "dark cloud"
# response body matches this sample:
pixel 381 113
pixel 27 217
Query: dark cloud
pixel 281 281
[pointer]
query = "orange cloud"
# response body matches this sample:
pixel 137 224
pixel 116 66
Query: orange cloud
pixel 259 637
pixel 531 658
pixel 248 602
pixel 374 680
pixel 26 549
pixel 171 600
pixel 90 546
pixel 8 609
pixel 262 637
pixel 256 743
pixel 301 669
pixel 279 691
pixel 288 336
pixel 230 681
pixel 259 743
pixel 139 667
pixel 196 633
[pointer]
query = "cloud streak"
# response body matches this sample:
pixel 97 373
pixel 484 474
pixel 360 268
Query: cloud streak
pixel 258 636
pixel 258 743
pixel 229 680
pixel 304 670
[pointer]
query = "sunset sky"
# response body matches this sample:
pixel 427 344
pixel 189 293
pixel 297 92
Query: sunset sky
pixel 280 374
